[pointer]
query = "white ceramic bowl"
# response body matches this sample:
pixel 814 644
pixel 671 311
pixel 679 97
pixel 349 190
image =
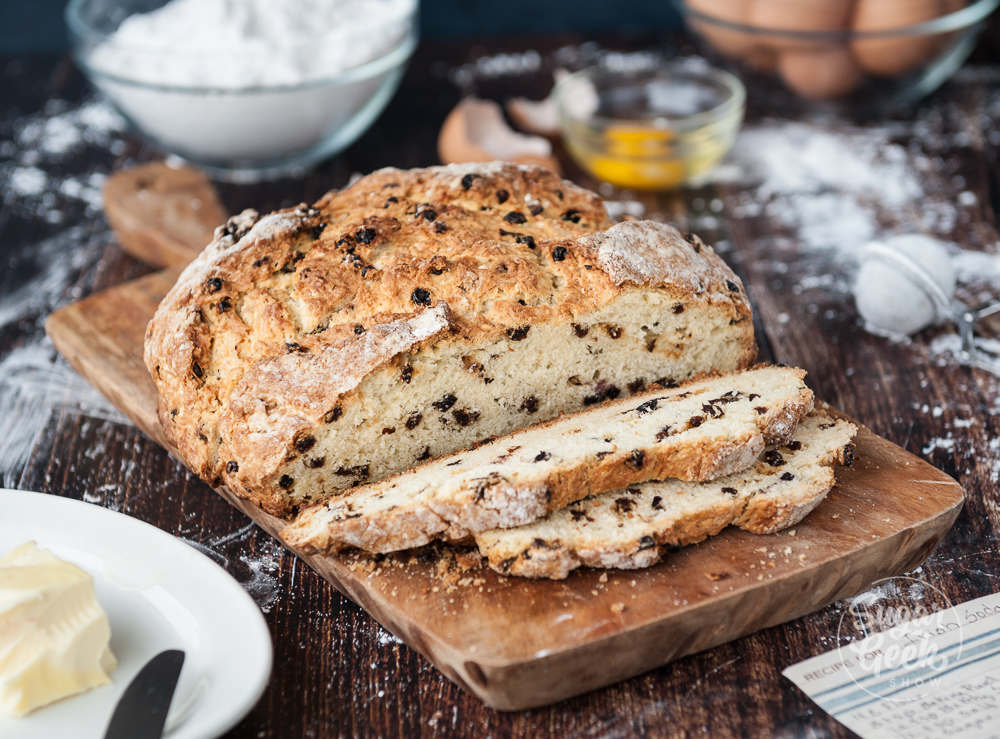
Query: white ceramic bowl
pixel 159 593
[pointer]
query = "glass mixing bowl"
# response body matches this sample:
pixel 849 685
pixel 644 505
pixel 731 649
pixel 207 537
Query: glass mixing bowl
pixel 869 55
pixel 650 124
pixel 240 134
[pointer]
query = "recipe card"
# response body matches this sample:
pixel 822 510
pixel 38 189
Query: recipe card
pixel 932 674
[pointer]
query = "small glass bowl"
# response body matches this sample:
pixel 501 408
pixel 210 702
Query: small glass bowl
pixel 242 134
pixel 650 124
pixel 882 56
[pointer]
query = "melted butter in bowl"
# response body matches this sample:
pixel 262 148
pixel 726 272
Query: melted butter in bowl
pixel 657 126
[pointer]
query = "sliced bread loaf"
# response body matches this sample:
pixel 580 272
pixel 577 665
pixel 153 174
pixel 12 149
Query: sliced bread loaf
pixel 699 431
pixel 418 312
pixel 631 528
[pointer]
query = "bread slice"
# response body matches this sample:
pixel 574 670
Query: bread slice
pixel 418 312
pixel 699 431
pixel 631 528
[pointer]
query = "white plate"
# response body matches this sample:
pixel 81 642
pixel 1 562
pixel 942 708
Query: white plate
pixel 160 593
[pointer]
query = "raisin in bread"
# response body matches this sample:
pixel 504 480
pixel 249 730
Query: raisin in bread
pixel 699 431
pixel 632 527
pixel 417 312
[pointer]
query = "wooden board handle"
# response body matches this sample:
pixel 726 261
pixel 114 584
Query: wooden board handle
pixel 162 215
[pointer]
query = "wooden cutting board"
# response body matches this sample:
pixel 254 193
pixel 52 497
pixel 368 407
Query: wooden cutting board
pixel 162 214
pixel 519 643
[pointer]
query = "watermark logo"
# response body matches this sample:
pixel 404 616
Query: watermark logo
pixel 898 638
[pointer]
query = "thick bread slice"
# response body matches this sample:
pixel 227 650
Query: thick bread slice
pixel 416 313
pixel 702 430
pixel 631 528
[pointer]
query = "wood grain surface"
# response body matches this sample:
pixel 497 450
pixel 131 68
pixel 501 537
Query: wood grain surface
pixel 337 672
pixel 520 643
pixel 162 215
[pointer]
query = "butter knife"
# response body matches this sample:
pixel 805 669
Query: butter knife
pixel 142 710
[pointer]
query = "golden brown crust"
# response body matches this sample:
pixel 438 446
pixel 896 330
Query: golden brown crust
pixel 278 320
pixel 282 398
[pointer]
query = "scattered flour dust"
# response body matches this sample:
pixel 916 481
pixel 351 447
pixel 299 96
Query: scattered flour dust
pixel 34 381
pixel 833 188
pixel 887 589
pixel 250 555
pixel 262 567
pixel 958 449
pixel 945 443
pixel 47 179
pixel 496 65
pixel 51 141
pixel 792 157
pixel 994 459
pixel 950 345
pixel 387 638
pixel 619 209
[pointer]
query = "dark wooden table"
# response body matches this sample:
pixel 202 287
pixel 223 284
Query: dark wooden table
pixel 336 672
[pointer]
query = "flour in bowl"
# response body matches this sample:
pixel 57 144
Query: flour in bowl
pixel 240 44
pixel 254 88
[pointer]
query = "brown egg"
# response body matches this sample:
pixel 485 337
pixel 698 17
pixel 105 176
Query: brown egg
pixel 820 74
pixel 800 15
pixel 763 58
pixel 724 40
pixel 894 55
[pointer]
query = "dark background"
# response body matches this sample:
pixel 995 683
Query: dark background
pixel 31 26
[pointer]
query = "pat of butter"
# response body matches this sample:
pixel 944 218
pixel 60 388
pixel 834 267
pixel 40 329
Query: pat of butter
pixel 53 633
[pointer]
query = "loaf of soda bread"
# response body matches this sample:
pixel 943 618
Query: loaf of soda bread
pixel 632 527
pixel 417 312
pixel 700 431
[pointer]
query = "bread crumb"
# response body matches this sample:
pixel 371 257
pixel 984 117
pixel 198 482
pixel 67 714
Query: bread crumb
pixel 603 577
pixel 617 607
pixel 714 576
pixel 468 559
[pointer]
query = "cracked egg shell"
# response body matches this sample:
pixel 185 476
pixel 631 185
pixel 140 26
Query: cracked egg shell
pixel 475 131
